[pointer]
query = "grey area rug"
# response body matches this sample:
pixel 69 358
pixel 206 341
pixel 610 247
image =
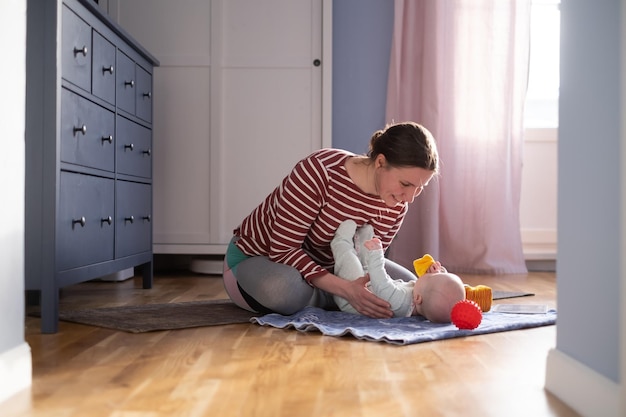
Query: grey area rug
pixel 398 330
pixel 172 316
pixel 154 317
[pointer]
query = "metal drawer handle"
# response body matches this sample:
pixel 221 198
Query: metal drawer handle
pixel 108 69
pixel 80 221
pixel 82 50
pixel 82 129
pixel 131 83
pixel 130 146
pixel 107 219
pixel 147 218
pixel 147 152
pixel 107 139
pixel 148 94
pixel 130 219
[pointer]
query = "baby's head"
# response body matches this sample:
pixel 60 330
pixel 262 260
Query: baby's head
pixel 435 295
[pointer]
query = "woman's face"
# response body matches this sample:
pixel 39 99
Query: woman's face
pixel 399 185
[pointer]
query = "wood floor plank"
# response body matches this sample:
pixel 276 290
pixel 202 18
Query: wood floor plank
pixel 248 370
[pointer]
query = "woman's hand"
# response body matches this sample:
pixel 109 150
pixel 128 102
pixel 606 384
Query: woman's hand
pixel 364 301
pixel 357 294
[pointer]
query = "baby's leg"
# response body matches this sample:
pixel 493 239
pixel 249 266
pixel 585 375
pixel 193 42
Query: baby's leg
pixel 347 264
pixel 362 235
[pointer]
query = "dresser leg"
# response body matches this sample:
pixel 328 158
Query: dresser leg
pixel 50 310
pixel 147 274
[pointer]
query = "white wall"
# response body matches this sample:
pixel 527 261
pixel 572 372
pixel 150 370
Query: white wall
pixel 15 357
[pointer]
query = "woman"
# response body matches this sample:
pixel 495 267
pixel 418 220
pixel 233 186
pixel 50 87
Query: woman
pixel 280 260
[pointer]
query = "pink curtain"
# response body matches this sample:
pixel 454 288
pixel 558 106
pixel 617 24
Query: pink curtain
pixel 460 68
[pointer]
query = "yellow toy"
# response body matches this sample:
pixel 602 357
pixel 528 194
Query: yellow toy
pixel 481 295
pixel 422 264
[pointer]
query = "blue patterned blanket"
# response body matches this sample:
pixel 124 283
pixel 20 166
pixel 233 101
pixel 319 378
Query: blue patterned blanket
pixel 400 330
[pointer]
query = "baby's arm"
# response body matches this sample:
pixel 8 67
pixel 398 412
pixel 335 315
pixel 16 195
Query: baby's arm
pixel 399 295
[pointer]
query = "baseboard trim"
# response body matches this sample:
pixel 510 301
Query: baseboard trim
pixel 548 265
pixel 539 244
pixel 16 370
pixel 207 265
pixel 581 388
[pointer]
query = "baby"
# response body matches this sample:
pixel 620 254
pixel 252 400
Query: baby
pixel 432 296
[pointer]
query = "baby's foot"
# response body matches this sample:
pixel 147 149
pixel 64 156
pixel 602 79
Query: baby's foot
pixel 346 230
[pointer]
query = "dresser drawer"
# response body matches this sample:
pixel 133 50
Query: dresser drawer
pixel 76 50
pixel 134 148
pixel 134 218
pixel 126 83
pixel 143 98
pixel 103 71
pixel 87 132
pixel 85 229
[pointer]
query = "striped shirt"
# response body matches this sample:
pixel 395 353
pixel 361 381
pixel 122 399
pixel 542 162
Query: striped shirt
pixel 296 222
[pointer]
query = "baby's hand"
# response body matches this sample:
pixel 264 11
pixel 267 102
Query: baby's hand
pixel 436 267
pixel 373 244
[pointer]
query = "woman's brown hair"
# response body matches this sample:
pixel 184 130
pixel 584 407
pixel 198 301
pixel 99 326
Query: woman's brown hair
pixel 406 144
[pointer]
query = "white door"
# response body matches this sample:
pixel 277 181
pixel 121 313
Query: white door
pixel 238 101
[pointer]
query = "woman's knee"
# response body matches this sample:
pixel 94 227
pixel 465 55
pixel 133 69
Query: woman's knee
pixel 277 287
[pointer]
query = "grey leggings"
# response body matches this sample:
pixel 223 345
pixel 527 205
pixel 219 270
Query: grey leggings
pixel 263 286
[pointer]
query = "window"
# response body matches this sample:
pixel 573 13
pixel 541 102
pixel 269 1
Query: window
pixel 542 100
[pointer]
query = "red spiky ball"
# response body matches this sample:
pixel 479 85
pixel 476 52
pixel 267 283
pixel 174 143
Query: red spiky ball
pixel 466 315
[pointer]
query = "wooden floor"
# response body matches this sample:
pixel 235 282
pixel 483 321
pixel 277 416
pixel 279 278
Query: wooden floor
pixel 247 370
